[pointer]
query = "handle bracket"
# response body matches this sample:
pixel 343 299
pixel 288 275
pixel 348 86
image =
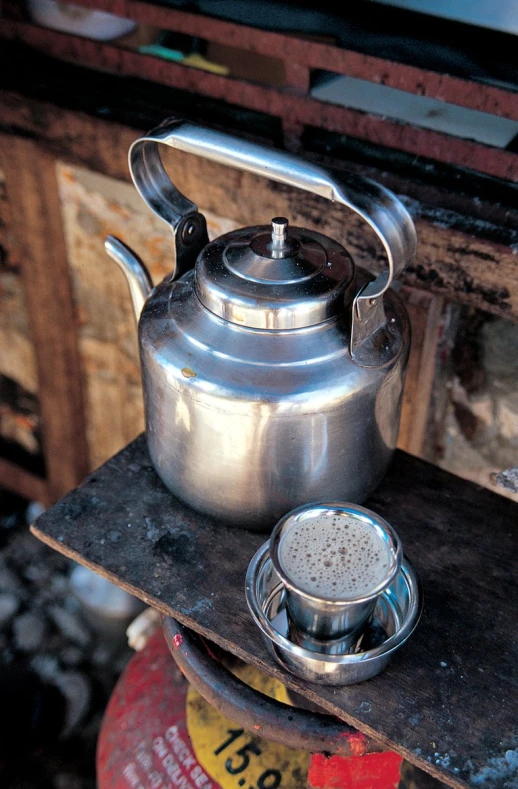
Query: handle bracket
pixel 165 200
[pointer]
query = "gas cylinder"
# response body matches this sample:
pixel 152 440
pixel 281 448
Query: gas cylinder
pixel 159 733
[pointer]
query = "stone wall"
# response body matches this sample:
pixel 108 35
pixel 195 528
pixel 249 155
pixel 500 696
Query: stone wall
pixel 480 432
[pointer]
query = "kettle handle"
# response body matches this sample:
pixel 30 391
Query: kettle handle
pixel 378 206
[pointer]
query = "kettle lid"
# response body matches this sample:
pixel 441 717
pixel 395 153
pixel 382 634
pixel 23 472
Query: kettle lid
pixel 274 277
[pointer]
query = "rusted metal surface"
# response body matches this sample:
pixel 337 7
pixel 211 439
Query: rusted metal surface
pixel 284 104
pixel 124 524
pixel 273 720
pixel 316 55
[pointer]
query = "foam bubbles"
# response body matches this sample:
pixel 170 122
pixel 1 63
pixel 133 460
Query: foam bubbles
pixel 335 556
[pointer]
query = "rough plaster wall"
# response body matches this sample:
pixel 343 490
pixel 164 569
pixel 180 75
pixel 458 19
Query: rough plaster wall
pixel 94 206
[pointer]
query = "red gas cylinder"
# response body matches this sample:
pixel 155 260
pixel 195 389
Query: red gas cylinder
pixel 159 733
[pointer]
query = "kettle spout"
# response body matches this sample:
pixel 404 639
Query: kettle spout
pixel 137 275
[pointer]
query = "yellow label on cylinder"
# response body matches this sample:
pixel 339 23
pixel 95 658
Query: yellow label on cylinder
pixel 238 759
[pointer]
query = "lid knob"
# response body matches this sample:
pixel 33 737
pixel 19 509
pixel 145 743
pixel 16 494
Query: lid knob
pixel 279 228
pixel 280 237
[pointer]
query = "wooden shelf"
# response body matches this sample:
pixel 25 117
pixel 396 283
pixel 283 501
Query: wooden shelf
pixel 292 103
pixel 446 702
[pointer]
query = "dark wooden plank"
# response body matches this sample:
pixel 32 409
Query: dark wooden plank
pixel 474 200
pixel 38 235
pixel 22 482
pixel 447 701
pixel 463 264
pixel 425 313
pixel 296 50
pixel 282 104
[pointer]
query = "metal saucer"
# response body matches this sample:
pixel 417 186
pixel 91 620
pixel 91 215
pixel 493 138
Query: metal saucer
pixel 394 619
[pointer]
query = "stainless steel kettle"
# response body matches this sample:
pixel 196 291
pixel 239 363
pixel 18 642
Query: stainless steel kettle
pixel 272 367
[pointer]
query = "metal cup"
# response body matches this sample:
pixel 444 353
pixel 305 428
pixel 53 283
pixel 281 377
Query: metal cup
pixel 333 625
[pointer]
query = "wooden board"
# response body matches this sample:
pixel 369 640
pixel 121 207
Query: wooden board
pixel 93 206
pixel 293 106
pixel 426 315
pixel 18 431
pixel 447 702
pixel 462 255
pixel 38 236
pixel 17 360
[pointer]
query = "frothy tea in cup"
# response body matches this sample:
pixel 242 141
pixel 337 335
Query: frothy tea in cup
pixel 336 557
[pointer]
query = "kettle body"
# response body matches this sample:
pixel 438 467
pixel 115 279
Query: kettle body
pixel 245 425
pixel 267 383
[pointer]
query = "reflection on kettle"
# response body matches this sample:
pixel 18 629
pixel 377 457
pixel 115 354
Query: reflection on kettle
pixel 272 367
